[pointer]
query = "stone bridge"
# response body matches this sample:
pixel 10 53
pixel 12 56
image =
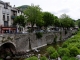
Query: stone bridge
pixel 25 42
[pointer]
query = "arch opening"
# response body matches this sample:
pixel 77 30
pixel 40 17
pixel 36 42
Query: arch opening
pixel 7 49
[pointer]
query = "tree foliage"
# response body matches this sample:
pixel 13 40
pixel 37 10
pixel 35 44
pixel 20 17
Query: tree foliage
pixel 50 50
pixel 20 20
pixel 66 21
pixel 78 22
pixel 63 51
pixel 48 19
pixel 68 58
pixel 54 55
pixel 34 15
pixel 40 23
pixel 74 51
pixel 57 22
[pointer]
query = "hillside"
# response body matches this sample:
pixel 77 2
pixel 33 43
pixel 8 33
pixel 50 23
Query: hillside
pixel 23 7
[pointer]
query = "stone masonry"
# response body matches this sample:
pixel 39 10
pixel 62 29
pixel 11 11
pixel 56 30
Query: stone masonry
pixel 22 42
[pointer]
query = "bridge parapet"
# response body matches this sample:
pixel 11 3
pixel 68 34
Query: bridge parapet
pixel 7 39
pixel 25 42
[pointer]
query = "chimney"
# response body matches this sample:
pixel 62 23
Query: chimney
pixel 14 6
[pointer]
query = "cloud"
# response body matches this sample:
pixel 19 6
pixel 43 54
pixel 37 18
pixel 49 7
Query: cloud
pixel 64 11
pixel 57 7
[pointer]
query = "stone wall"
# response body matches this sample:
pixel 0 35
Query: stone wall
pixel 25 42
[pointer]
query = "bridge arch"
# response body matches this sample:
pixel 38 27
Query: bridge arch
pixel 12 43
pixel 7 49
pixel 8 45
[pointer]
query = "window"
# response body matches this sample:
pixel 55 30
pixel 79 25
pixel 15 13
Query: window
pixel 7 18
pixel 5 23
pixel 3 17
pixel 6 6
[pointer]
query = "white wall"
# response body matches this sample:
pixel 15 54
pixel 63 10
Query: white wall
pixel 18 14
pixel 6 11
pixel 1 17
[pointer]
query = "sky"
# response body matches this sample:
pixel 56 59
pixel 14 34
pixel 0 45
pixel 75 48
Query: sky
pixel 57 7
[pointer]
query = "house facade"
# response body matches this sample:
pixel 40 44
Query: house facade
pixel 7 15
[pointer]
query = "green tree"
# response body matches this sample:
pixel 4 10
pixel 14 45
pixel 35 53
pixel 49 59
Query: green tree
pixel 78 22
pixel 48 19
pixel 20 20
pixel 34 15
pixel 57 22
pixel 66 21
pixel 40 23
pixel 72 23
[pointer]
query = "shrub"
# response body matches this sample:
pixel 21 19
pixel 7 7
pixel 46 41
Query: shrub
pixel 1 59
pixel 63 51
pixel 65 58
pixel 38 35
pixel 68 58
pixel 32 58
pixel 70 45
pixel 73 58
pixel 64 45
pixel 74 51
pixel 43 58
pixel 50 50
pixel 54 55
pixel 78 45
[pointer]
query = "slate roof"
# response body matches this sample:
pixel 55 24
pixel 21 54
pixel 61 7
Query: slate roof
pixel 1 2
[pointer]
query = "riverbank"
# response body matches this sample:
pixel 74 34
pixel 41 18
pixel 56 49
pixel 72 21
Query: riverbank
pixel 36 45
pixel 70 48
